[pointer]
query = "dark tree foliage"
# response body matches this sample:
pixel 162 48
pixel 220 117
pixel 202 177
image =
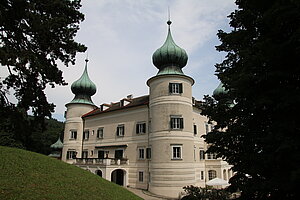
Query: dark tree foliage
pixel 34 36
pixel 258 132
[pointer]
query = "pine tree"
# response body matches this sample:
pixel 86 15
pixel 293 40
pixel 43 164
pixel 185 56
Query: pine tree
pixel 258 127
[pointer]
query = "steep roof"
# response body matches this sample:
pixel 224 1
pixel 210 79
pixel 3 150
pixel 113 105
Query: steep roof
pixel 134 102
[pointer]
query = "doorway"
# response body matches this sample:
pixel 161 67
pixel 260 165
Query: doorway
pixel 117 176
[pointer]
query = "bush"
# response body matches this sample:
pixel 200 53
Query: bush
pixel 207 193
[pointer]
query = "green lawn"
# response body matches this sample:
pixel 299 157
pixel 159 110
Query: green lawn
pixel 27 175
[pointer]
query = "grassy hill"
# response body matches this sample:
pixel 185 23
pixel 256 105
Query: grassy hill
pixel 26 175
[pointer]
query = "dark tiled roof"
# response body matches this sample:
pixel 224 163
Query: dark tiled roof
pixel 139 101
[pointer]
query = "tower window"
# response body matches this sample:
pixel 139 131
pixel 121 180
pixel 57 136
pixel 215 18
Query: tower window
pixel 120 130
pixel 202 155
pixel 202 175
pixel 100 133
pixel 175 88
pixel 140 127
pixel 141 154
pixel 73 134
pixel 177 152
pixel 195 129
pixel 71 154
pixel 176 122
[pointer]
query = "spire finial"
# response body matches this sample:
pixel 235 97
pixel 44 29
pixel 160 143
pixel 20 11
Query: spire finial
pixel 87 57
pixel 169 20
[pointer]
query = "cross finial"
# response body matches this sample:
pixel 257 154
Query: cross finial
pixel 87 57
pixel 169 20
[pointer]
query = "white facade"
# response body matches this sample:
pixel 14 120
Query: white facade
pixel 153 142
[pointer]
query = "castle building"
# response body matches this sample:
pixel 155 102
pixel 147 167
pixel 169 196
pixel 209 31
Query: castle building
pixel 152 142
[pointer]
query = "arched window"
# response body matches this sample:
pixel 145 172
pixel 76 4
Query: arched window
pixel 212 174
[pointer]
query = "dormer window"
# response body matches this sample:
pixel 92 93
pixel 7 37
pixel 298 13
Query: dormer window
pixel 175 88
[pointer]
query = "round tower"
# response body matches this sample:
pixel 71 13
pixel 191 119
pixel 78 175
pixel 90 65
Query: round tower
pixel 82 103
pixel 171 128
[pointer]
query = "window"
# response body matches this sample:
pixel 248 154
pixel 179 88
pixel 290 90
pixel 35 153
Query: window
pixel 175 88
pixel 206 128
pixel 73 134
pixel 84 153
pixel 119 154
pixel 148 153
pixel 195 129
pixel 176 151
pixel 101 154
pixel 86 135
pixel 71 154
pixel 120 130
pixel 141 153
pixel 202 155
pixel 140 127
pixel 202 175
pixel 100 133
pixel 141 176
pixel 212 174
pixel 211 156
pixel 176 122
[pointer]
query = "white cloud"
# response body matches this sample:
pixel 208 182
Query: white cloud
pixel 121 36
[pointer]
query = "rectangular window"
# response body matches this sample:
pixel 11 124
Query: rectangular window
pixel 120 130
pixel 119 154
pixel 86 135
pixel 140 128
pixel 100 132
pixel 211 156
pixel 206 128
pixel 202 155
pixel 176 151
pixel 141 176
pixel 101 154
pixel 73 134
pixel 202 175
pixel 195 129
pixel 71 154
pixel 176 122
pixel 148 153
pixel 175 88
pixel 141 153
pixel 84 153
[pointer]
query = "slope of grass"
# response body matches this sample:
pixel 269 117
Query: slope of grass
pixel 26 175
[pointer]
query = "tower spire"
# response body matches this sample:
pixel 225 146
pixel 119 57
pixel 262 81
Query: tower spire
pixel 169 22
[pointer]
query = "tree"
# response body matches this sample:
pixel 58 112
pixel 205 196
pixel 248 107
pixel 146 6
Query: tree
pixel 257 116
pixel 34 36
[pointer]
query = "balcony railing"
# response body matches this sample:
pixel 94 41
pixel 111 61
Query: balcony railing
pixel 99 161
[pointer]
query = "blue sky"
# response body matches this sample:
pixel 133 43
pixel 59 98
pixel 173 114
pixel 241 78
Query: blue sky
pixel 122 35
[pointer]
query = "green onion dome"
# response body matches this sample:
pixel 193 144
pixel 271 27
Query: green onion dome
pixel 170 58
pixel 83 88
pixel 57 145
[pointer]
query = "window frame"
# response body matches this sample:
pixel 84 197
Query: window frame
pixel 175 88
pixel 73 134
pixel 140 128
pixel 119 128
pixel 177 155
pixel 71 154
pixel 176 122
pixel 202 154
pixel 141 176
pixel 86 134
pixel 98 135
pixel 212 174
pixel 141 153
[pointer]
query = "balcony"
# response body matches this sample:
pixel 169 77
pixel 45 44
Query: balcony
pixel 100 161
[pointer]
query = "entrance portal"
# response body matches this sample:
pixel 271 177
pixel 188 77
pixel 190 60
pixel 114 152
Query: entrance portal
pixel 99 173
pixel 117 176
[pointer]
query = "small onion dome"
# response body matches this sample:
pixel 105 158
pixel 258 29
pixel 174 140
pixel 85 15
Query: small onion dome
pixel 84 85
pixel 57 145
pixel 220 90
pixel 83 88
pixel 170 56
